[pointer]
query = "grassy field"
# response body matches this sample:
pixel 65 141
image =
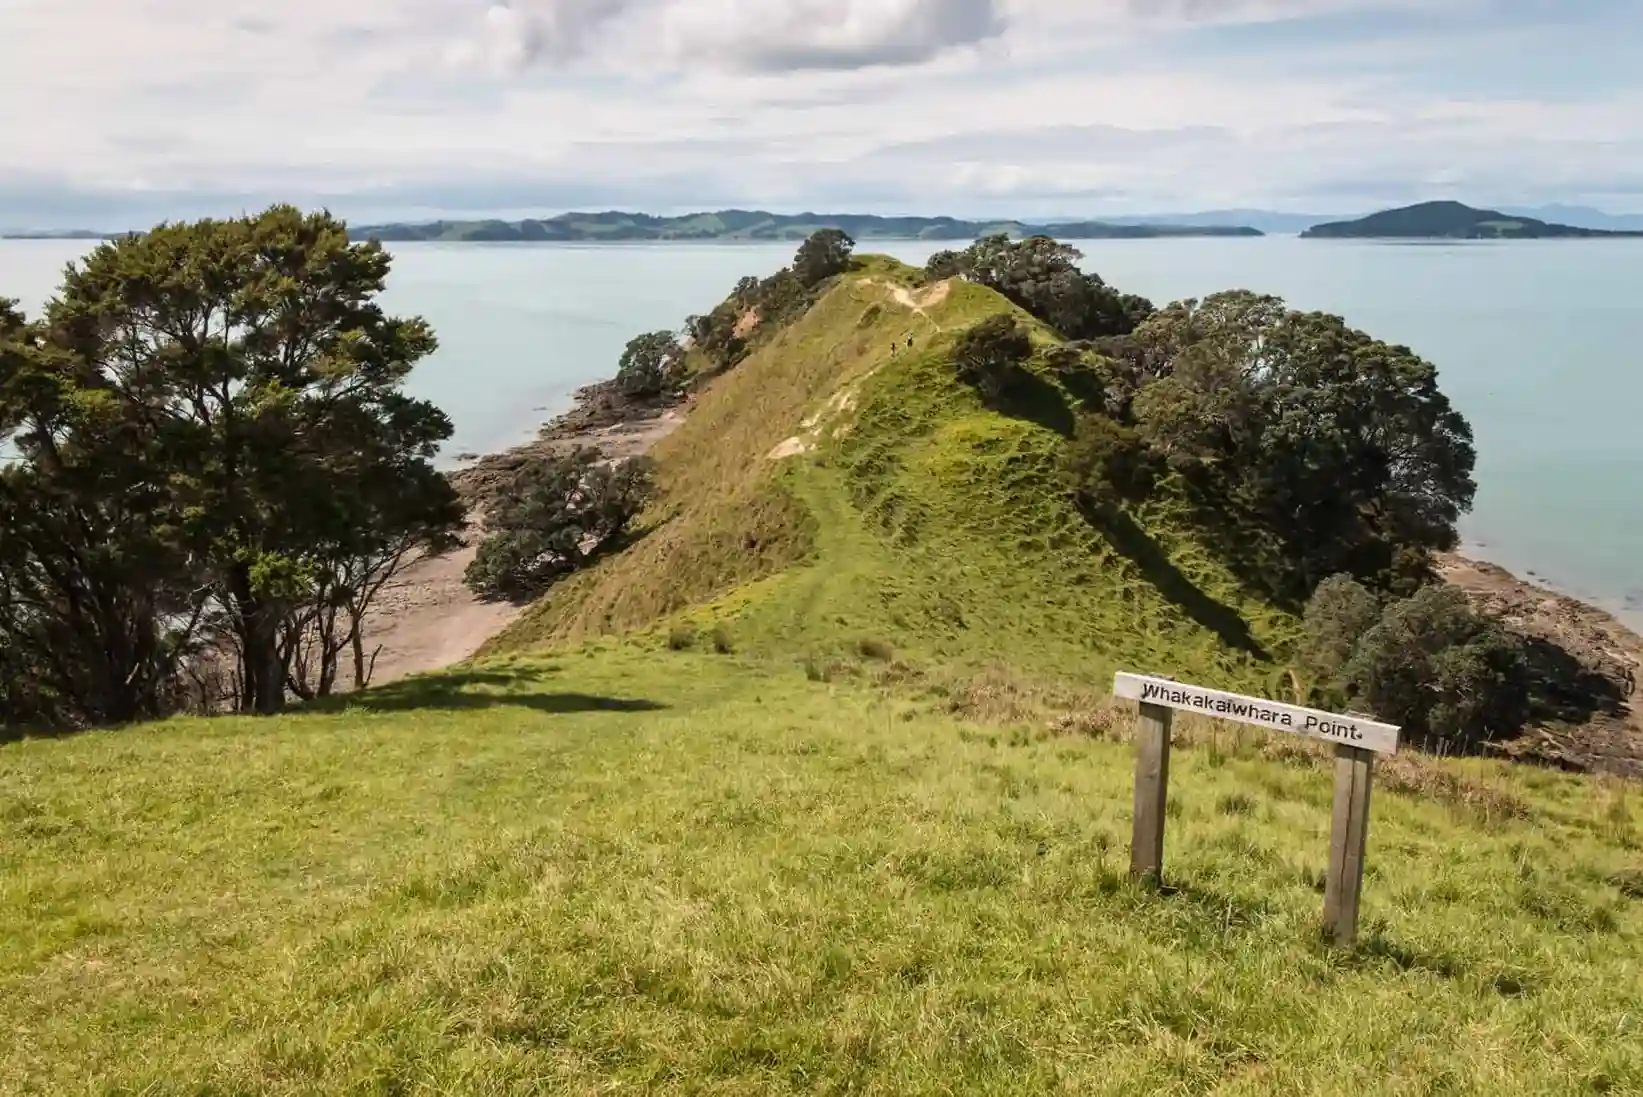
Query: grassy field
pixel 630 871
pixel 813 789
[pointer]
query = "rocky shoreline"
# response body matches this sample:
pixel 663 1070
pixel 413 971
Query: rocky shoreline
pixel 599 417
pixel 1604 731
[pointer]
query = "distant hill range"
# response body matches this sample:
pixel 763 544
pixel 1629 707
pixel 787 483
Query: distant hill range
pixel 760 225
pixel 59 234
pixel 1451 221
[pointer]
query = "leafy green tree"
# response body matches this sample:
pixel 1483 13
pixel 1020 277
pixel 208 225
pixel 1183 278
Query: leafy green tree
pixel 1042 276
pixel 1107 461
pixel 990 354
pixel 649 365
pixel 823 254
pixel 98 604
pixel 1340 612
pixel 1339 450
pixel 943 264
pixel 556 515
pixel 245 371
pixel 1438 668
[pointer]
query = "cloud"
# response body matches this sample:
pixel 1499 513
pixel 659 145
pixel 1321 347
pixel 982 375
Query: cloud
pixel 146 108
pixel 753 35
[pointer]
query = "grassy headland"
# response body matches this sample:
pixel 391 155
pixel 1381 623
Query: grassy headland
pixel 876 498
pixel 813 787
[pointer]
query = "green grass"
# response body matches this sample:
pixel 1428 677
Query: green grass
pixel 813 789
pixel 626 871
pixel 917 516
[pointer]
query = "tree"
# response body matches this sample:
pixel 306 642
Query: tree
pixel 1337 448
pixel 1337 616
pixel 1436 667
pixel 556 515
pixel 649 365
pixel 944 264
pixel 1106 460
pixel 990 354
pixel 1042 276
pixel 246 376
pixel 824 253
pixel 97 603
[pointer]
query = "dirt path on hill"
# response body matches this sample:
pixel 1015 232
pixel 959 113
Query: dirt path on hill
pixel 426 618
pixel 927 298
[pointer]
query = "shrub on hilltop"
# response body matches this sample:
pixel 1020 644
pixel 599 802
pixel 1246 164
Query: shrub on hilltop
pixel 725 336
pixel 990 355
pixel 556 515
pixel 824 254
pixel 1042 276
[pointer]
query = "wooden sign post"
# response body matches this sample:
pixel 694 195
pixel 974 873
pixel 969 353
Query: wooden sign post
pixel 1356 740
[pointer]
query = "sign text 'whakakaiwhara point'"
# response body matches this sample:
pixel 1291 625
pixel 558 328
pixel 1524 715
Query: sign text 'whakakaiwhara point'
pixel 1357 740
pixel 1348 731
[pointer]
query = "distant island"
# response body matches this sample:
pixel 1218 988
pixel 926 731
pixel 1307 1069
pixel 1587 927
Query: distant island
pixel 618 226
pixel 1450 221
pixel 761 225
pixel 63 234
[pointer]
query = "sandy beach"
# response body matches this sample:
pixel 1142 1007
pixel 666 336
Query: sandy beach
pixel 426 618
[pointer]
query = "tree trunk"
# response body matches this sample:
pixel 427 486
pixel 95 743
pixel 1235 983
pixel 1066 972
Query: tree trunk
pixel 259 629
pixel 265 655
pixel 358 641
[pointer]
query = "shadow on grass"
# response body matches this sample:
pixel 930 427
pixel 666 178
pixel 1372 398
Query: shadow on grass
pixel 1127 536
pixel 1029 396
pixel 1213 910
pixel 480 689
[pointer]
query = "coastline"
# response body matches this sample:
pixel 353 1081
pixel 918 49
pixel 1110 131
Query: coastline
pixel 426 619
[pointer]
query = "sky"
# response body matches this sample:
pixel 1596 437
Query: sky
pixel 122 112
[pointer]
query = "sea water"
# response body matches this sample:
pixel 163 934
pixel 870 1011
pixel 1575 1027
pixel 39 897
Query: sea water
pixel 1534 343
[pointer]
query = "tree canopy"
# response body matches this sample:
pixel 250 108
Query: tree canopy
pixel 649 365
pixel 1324 449
pixel 1042 276
pixel 216 462
pixel 556 515
pixel 823 254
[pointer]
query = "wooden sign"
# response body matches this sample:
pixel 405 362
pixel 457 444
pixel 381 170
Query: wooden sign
pixel 1357 740
pixel 1331 727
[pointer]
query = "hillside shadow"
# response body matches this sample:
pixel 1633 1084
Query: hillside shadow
pixel 1566 690
pixel 479 689
pixel 1029 396
pixel 1086 388
pixel 1138 546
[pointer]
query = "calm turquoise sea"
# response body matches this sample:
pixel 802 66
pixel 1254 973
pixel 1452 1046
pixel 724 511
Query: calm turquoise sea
pixel 1535 342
